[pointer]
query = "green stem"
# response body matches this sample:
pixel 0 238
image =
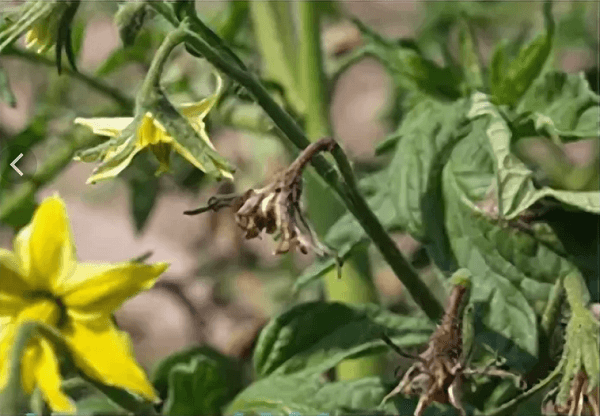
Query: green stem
pixel 125 102
pixel 348 193
pixel 152 81
pixel 356 284
pixel 510 407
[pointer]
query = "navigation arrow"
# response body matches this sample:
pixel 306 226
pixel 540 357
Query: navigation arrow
pixel 13 163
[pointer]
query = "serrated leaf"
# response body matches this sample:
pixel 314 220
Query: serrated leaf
pixel 513 272
pixel 510 81
pixel 316 336
pixel 515 181
pixel 469 58
pixel 307 393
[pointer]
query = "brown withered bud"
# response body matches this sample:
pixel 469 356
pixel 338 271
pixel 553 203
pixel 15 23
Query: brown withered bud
pixel 276 207
pixel 439 372
pixel 582 400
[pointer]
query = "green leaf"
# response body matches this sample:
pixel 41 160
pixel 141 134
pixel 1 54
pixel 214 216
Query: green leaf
pixel 409 67
pixel 346 234
pixel 469 58
pixel 6 93
pixel 143 189
pixel 199 387
pixel 428 134
pixel 567 102
pixel 307 393
pixel 513 271
pixel 129 19
pixel 226 368
pixel 316 336
pixel 88 399
pixel 509 81
pixel 515 185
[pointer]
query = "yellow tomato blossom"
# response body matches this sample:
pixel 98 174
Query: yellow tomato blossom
pixel 42 35
pixel 150 133
pixel 39 20
pixel 42 281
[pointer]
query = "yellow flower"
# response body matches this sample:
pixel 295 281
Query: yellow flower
pixel 42 35
pixel 42 281
pixel 150 133
pixel 39 21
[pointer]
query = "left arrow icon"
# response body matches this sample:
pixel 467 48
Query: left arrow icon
pixel 14 162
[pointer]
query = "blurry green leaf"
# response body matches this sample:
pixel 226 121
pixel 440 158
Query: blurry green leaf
pixel 346 234
pixel 88 399
pixel 198 380
pixel 64 39
pixel 20 215
pixel 509 81
pixel 34 133
pixel 307 393
pixel 469 58
pixel 129 19
pixel 146 43
pixel 314 337
pixel 273 26
pixel 410 68
pixel 567 101
pixel 143 194
pixel 6 93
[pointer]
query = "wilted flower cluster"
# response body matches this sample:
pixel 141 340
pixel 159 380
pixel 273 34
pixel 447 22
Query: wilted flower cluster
pixel 276 207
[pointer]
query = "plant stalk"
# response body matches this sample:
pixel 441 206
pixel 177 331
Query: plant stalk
pixel 348 193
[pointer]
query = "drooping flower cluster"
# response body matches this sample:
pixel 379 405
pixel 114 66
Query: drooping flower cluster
pixel 130 135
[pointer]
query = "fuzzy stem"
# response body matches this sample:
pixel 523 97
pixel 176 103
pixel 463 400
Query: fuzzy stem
pixel 152 80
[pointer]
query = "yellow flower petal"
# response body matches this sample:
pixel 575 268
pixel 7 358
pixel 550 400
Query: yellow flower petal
pixel 12 285
pixel 101 289
pixel 105 354
pixel 150 132
pixel 190 158
pixel 45 247
pixel 105 126
pixel 44 311
pixel 40 368
pixel 197 111
pixel 107 173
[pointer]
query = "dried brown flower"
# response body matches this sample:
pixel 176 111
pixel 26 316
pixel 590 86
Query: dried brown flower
pixel 276 207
